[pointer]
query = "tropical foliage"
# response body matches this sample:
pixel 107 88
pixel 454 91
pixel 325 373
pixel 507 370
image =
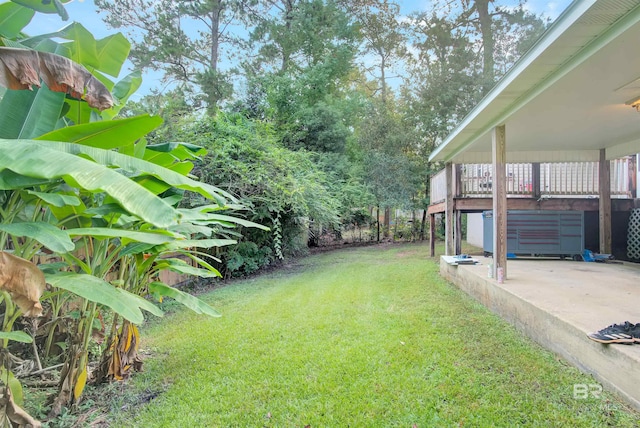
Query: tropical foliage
pixel 286 190
pixel 368 91
pixel 91 199
pixel 291 123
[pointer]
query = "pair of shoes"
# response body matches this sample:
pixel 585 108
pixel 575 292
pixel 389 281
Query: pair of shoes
pixel 618 333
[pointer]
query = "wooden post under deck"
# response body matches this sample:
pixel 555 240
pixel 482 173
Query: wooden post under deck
pixel 448 230
pixel 432 234
pixel 457 191
pixel 605 203
pixel 458 231
pixel 499 190
pixel 535 180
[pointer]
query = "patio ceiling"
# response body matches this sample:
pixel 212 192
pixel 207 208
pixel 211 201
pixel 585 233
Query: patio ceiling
pixel 565 99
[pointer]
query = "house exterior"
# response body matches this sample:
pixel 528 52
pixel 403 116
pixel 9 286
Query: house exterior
pixel 568 108
pixel 560 132
pixel 557 180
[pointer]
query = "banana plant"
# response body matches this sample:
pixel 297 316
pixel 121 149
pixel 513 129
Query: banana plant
pixel 90 190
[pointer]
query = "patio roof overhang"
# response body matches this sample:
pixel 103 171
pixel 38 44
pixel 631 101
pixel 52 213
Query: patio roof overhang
pixel 565 100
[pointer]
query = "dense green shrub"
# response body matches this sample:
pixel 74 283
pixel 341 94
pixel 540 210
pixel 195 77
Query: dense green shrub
pixel 285 190
pixel 246 258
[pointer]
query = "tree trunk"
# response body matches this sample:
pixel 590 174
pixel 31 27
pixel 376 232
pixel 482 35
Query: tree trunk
pixel 214 95
pixel 216 12
pixel 482 6
pixel 378 221
pixel 414 217
pixel 424 213
pixel 383 78
pixel 387 222
pixel 395 225
pixel 288 18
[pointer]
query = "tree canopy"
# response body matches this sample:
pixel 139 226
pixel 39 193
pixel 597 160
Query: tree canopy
pixel 364 91
pixel 367 91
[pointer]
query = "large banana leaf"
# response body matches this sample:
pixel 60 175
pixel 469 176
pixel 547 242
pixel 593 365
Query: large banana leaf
pixel 9 180
pixel 23 68
pixel 159 289
pixel 128 305
pixel 46 6
pixel 29 114
pixel 106 55
pixel 107 134
pixel 48 235
pixel 194 243
pixel 122 91
pixel 81 43
pixel 13 18
pixel 200 215
pixel 127 236
pixel 180 266
pixel 58 160
pixel 141 167
pixel 56 199
pixel 112 53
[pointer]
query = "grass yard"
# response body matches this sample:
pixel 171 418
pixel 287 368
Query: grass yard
pixel 368 337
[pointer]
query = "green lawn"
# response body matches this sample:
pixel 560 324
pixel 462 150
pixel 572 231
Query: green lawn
pixel 367 337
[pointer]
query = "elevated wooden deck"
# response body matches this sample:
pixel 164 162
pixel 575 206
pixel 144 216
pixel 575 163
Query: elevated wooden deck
pixel 471 205
pixel 606 188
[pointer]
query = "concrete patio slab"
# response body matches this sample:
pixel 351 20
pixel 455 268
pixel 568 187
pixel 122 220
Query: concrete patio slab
pixel 557 302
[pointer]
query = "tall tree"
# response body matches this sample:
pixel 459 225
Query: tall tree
pixel 389 156
pixel 445 77
pixel 496 23
pixel 292 35
pixel 303 54
pixel 462 48
pixel 182 38
pixel 383 39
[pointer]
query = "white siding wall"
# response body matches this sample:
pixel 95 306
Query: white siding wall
pixel 474 229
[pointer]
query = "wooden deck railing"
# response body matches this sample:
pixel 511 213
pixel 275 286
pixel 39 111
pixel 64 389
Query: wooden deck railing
pixel 567 179
pixel 438 188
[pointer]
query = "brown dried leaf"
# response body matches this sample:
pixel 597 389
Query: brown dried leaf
pixel 16 414
pixel 20 69
pixel 24 281
pixel 124 352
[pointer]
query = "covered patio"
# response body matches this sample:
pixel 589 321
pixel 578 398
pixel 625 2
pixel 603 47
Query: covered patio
pixel 557 302
pixel 574 97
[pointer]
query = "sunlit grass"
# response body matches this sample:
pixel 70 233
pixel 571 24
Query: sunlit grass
pixel 361 337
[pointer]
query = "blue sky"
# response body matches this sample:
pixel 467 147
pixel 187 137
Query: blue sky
pixel 84 11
